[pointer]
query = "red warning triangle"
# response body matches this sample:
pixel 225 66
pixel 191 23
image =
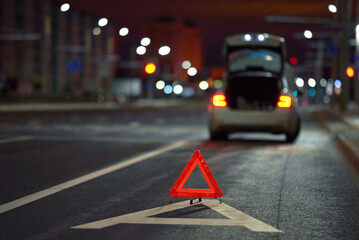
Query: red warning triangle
pixel 213 191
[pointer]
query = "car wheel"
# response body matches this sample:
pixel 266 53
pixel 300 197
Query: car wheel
pixel 218 136
pixel 290 137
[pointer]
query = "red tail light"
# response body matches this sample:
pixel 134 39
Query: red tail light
pixel 219 100
pixel 284 101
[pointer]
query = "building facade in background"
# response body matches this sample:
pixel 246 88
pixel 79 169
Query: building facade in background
pixel 46 52
pixel 185 41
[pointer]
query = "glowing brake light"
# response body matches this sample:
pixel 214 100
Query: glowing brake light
pixel 284 101
pixel 219 100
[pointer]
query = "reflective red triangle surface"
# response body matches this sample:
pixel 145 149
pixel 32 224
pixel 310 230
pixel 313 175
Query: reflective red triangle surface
pixel 213 192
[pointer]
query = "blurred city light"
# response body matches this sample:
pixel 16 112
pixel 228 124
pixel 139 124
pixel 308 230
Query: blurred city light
pixel 247 37
pixel 178 89
pixel 145 41
pixel 186 64
pixel 123 31
pixel 218 83
pixel 312 82
pixel 308 34
pixel 164 50
pixel 312 92
pixel 295 93
pixel 140 50
pixel 65 7
pixel 338 91
pixel 102 22
pixel 329 88
pixel 192 71
pixel 203 85
pixel 299 82
pixel 260 37
pixel 150 68
pixel 168 89
pixel 293 61
pixel 350 72
pixel 96 31
pixel 160 84
pixel 332 8
pixel 338 83
pixel 323 82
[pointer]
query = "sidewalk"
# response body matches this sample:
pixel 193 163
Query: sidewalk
pixel 88 106
pixel 345 127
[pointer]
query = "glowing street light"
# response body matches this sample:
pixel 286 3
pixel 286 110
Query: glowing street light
pixel 65 7
pixel 203 85
pixel 308 34
pixel 145 41
pixel 160 84
pixel 102 22
pixel 332 8
pixel 178 89
pixel 140 50
pixel 123 31
pixel 192 71
pixel 164 50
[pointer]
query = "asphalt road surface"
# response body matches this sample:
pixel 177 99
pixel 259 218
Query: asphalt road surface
pixel 107 175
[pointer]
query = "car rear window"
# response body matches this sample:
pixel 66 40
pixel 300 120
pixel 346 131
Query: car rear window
pixel 254 59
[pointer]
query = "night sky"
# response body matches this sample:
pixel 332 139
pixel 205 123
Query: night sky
pixel 216 18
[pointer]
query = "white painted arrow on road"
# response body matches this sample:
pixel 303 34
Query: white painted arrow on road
pixel 235 218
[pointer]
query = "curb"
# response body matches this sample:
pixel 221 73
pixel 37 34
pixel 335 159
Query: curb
pixel 347 141
pixel 350 150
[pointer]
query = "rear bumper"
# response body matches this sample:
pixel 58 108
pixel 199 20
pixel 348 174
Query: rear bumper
pixel 275 121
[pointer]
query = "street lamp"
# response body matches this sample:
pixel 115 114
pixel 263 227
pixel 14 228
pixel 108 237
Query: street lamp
pixel 308 34
pixel 164 50
pixel 65 7
pixel 332 8
pixel 102 22
pixel 141 50
pixel 145 41
pixel 192 71
pixel 123 31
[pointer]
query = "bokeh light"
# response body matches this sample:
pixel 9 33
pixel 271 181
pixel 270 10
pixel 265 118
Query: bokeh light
pixel 65 7
pixel 140 50
pixel 145 41
pixel 160 84
pixel 164 50
pixel 203 85
pixel 186 64
pixel 123 31
pixel 192 71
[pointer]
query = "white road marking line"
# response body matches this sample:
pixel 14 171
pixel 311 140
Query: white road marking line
pixel 52 190
pixel 236 218
pixel 16 139
pixel 95 139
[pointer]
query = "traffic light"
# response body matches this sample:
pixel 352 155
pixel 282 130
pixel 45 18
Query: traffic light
pixel 350 72
pixel 150 68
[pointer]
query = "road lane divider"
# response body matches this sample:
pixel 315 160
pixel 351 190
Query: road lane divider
pixel 85 178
